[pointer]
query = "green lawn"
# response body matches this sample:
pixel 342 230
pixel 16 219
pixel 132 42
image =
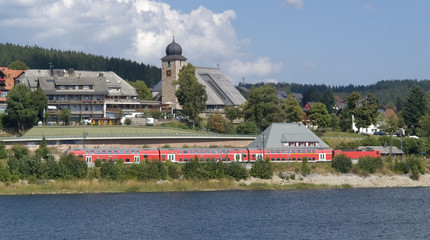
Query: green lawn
pixel 52 131
pixel 333 134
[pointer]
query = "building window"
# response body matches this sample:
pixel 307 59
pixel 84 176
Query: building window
pixel 168 64
pixel 168 72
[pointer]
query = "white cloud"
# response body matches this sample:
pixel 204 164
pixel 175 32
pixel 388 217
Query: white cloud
pixel 295 3
pixel 138 30
pixel 260 67
pixel 308 67
pixel 367 7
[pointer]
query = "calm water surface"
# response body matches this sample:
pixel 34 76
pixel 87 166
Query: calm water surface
pixel 399 213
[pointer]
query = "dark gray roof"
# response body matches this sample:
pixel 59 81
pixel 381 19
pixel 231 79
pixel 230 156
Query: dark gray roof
pixel 115 84
pixel 156 87
pixel 48 85
pixel 219 89
pixel 277 135
pixel 385 150
pixel 174 52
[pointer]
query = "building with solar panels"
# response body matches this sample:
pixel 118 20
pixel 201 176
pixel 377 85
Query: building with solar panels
pixel 219 89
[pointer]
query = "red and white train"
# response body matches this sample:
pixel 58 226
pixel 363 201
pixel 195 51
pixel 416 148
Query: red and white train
pixel 181 155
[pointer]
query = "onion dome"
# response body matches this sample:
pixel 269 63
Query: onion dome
pixel 173 49
pixel 174 52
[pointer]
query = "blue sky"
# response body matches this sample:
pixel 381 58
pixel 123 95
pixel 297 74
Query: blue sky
pixel 329 42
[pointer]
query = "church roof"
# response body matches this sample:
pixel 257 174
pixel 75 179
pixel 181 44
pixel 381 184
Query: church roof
pixel 219 89
pixel 174 52
pixel 278 135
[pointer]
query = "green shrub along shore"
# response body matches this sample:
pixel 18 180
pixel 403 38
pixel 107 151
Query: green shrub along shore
pixel 23 172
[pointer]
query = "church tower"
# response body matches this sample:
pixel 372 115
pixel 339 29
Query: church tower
pixel 171 65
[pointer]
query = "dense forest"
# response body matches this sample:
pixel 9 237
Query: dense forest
pixel 388 92
pixel 39 58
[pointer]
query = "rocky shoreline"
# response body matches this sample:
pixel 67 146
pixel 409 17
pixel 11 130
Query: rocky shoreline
pixel 350 179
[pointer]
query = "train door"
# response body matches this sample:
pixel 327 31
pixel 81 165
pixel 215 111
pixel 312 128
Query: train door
pixel 136 159
pixel 171 157
pixel 259 156
pixel 238 157
pixel 322 157
pixel 88 158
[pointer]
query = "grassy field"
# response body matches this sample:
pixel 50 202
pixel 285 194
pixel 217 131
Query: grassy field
pixel 52 131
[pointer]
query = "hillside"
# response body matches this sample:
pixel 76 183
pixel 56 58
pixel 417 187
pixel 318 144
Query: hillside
pixel 392 92
pixel 40 58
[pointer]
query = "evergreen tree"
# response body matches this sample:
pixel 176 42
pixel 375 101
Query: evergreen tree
pixel 327 99
pixel 414 108
pixel 191 94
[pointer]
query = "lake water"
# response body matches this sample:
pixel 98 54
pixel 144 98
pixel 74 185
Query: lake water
pixel 397 213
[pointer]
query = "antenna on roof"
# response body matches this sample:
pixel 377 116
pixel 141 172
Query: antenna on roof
pixel 217 65
pixel 173 38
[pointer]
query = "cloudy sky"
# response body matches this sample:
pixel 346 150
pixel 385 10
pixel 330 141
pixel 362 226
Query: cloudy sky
pixel 334 42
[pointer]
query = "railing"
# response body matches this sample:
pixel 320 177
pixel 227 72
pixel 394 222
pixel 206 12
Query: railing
pixel 134 136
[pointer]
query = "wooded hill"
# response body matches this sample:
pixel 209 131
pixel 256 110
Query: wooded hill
pixel 39 58
pixel 387 92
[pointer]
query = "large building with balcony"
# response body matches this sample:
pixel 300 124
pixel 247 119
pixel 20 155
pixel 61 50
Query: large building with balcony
pixel 87 94
pixel 7 81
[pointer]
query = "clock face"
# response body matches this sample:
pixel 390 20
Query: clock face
pixel 169 72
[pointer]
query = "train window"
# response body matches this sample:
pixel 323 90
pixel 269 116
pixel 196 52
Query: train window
pixel 283 159
pixel 185 151
pixel 81 156
pixel 103 160
pixel 313 151
pixel 98 152
pixel 288 159
pixel 104 152
pixel 299 159
pixel 283 151
pixel 145 156
pixel 109 152
pixel 309 151
pixel 277 151
pixel 293 151
pixel 294 159
pixel 313 158
pixel 278 159
pixel 115 152
pixel 87 152
pixel 244 155
pixel 272 159
pixel 298 151
pixel 180 159
pixel 127 160
pixel 253 156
